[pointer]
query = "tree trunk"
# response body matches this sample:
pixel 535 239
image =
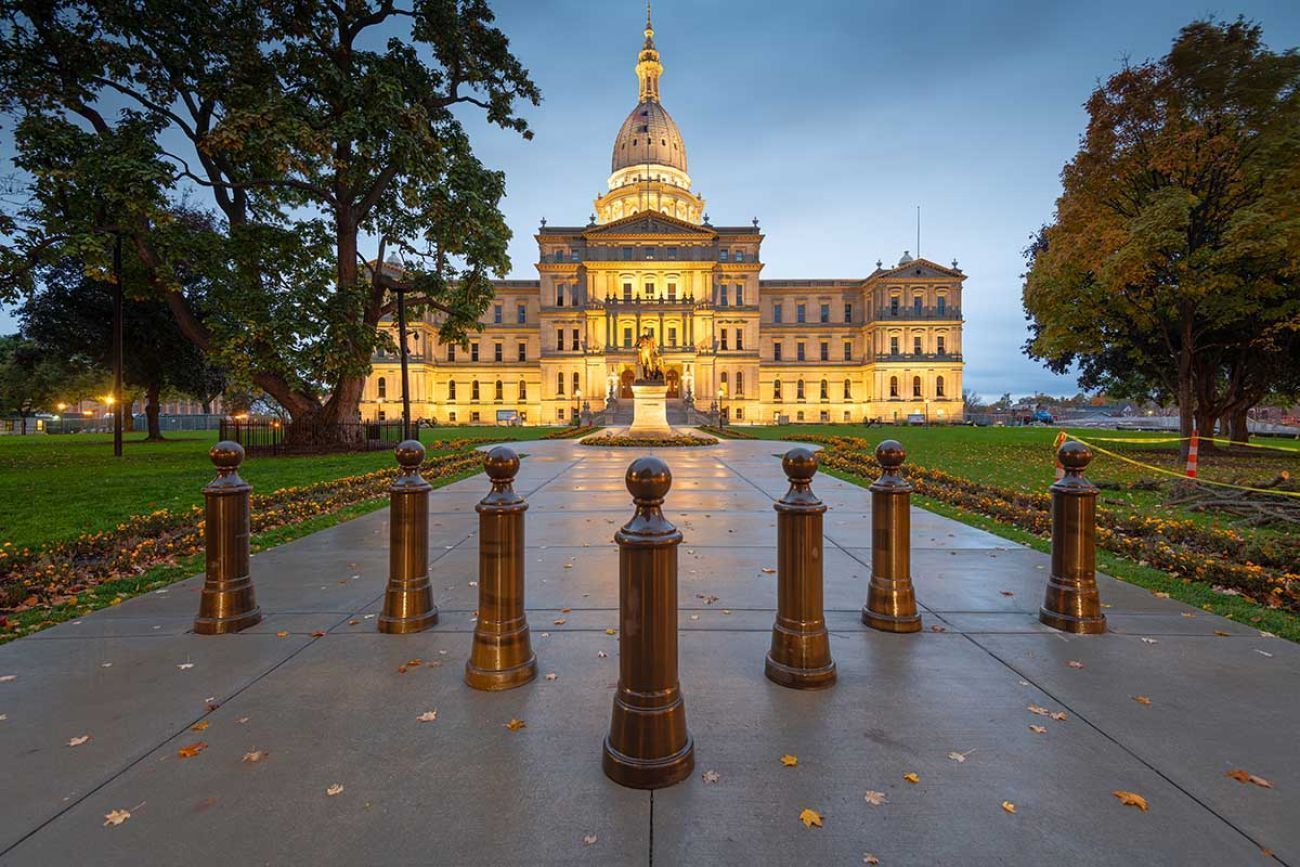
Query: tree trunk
pixel 1239 431
pixel 1186 394
pixel 151 411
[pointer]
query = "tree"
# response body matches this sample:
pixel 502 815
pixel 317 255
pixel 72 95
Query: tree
pixel 71 316
pixel 254 143
pixel 29 378
pixel 1172 268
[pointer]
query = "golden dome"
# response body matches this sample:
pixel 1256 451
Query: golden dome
pixel 649 135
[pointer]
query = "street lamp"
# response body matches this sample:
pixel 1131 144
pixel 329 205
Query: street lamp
pixel 577 400
pixel 722 398
pixel 62 407
pixel 927 412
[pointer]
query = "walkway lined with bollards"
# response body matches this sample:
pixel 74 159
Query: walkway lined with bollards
pixel 315 700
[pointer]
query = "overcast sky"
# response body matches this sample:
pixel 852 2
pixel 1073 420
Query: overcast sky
pixel 831 122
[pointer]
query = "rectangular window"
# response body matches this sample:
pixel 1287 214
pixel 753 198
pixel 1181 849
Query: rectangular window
pixel 826 351
pixel 799 351
pixel 776 351
pixel 474 417
pixel 670 252
pixel 522 314
pixel 672 291
pixel 722 296
pixel 740 296
pixel 650 252
pixel 916 345
pixel 893 346
pixel 473 352
pixel 776 313
pixel 559 296
pixel 723 343
pixel 627 338
pixel 627 291
pixel 451 352
pixel 672 336
pixel 496 314
pixel 826 313
pixel 893 306
pixel 575 341
pixel 559 340
pixel 848 312
pixel 740 338
pixel 649 289
pixel 939 345
pixel 740 255
pixel 559 413
pixel 451 417
pixel 497 352
pixel 848 352
pixel 573 256
pixel 800 314
pixel 941 304
pixel 523 352
pixel 629 253
pixel 722 255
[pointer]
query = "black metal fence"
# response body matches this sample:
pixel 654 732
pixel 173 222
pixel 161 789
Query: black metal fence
pixel 275 437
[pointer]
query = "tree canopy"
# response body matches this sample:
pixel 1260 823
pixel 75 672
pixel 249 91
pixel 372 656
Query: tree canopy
pixel 250 146
pixel 1172 267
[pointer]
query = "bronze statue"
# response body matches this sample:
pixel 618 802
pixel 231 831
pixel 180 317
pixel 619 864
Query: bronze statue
pixel 649 361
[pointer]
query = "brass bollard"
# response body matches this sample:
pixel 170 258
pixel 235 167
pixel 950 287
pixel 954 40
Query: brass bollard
pixel 502 656
pixel 1071 602
pixel 408 598
pixel 801 651
pixel 648 746
pixel 227 603
pixel 891 601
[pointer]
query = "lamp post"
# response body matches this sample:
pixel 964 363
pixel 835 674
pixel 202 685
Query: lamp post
pixel 117 345
pixel 62 407
pixel 927 412
pixel 577 402
pixel 722 404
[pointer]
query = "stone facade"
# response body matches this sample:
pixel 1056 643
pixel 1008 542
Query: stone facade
pixel 885 347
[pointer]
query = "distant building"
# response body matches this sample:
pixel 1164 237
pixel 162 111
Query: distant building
pixel 649 261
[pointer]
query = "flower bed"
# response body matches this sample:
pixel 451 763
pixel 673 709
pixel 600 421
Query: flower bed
pixel 1181 548
pixel 673 442
pixel 570 433
pixel 54 574
pixel 725 432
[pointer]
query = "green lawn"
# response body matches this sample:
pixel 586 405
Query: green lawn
pixel 56 487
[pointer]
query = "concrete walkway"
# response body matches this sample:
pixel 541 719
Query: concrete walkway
pixel 320 692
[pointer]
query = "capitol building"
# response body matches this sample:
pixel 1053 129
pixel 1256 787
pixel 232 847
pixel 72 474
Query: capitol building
pixel 886 346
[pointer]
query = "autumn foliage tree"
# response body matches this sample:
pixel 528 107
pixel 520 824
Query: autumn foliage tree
pixel 1172 267
pixel 258 143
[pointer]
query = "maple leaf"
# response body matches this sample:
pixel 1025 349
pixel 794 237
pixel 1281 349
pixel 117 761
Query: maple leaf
pixel 589 839
pixel 912 777
pixel 254 756
pixel 200 725
pixel 78 741
pixel 1141 699
pixel 1242 776
pixel 515 724
pixel 1059 716
pixel 189 751
pixel 116 817
pixel 1008 806
pixel 789 761
pixel 810 818
pixel 428 716
pixel 1132 799
pixel 711 776
pixel 875 799
pixel 1038 729
pixel 1074 663
pixel 334 789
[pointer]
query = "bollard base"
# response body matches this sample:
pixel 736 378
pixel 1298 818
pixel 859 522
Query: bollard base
pixel 404 625
pixel 648 773
pixel 799 678
pixel 494 679
pixel 891 622
pixel 228 624
pixel 1086 625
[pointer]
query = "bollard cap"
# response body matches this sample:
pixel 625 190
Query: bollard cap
pixel 800 464
pixel 1074 456
pixel 649 478
pixel 227 455
pixel 891 454
pixel 410 454
pixel 501 464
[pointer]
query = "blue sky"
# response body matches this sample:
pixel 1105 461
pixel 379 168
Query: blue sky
pixel 831 121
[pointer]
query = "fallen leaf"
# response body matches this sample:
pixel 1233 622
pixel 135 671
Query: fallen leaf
pixel 335 789
pixel 189 751
pixel 116 817
pixel 937 628
pixel 1041 711
pixel 1038 729
pixel 589 839
pixel 428 716
pixel 1074 663
pixel 1160 594
pixel 600 654
pixel 1221 632
pixel 318 634
pixel 1059 716
pixel 282 634
pixel 6 678
pixel 1132 799
pixel 1263 653
pixel 78 741
pixel 868 858
pixel 1247 777
pixel 551 675
pixel 566 610
pixel 1141 699
pixel 711 776
pixel 559 621
pixel 200 725
pixel 185 666
pixel 767 571
pixel 912 778
pixel 789 761
pixel 1150 641
pixel 959 757
pixel 810 818
pixel 1006 593
pixel 255 756
pixel 875 799
pixel 515 724
pixel 611 632
pixel 1008 806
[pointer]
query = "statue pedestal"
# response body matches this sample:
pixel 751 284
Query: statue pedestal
pixel 649 412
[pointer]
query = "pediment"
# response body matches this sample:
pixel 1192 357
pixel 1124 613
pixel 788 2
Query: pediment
pixel 650 223
pixel 921 269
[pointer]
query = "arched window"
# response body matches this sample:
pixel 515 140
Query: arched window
pixel 559 383
pixel 500 391
pixel 740 383
pixel 523 390
pixel 723 380
pixel 576 383
pixel 893 386
pixel 916 386
pixel 473 390
pixel 938 386
pixel 826 390
pixel 798 390
pixel 383 388
pixel 848 390
pixel 451 390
